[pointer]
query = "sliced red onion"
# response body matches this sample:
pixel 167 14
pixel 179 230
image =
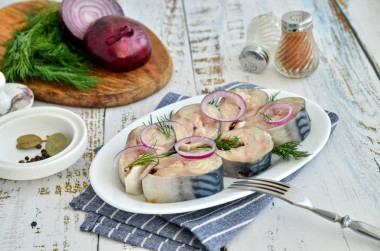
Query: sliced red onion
pixel 177 125
pixel 190 155
pixel 283 120
pixel 141 149
pixel 225 94
pixel 77 15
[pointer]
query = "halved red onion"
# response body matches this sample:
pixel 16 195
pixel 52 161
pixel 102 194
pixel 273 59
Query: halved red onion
pixel 174 124
pixel 141 149
pixel 190 155
pixel 277 109
pixel 77 15
pixel 225 94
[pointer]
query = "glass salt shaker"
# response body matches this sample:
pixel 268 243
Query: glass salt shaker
pixel 296 54
pixel 263 35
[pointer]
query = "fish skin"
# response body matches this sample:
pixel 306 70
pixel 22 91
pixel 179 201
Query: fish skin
pixel 166 190
pixel 237 169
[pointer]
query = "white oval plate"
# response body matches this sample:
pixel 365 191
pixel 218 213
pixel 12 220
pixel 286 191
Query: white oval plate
pixel 106 183
pixel 40 121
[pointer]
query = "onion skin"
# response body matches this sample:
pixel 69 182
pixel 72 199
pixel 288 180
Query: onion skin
pixel 77 15
pixel 118 43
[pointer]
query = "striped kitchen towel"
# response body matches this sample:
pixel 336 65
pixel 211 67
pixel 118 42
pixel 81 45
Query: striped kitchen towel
pixel 206 229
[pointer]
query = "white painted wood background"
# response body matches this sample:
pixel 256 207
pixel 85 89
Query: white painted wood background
pixel 204 39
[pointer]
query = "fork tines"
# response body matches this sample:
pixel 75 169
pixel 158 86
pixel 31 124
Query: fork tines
pixel 262 185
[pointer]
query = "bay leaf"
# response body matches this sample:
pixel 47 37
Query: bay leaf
pixel 56 143
pixel 28 141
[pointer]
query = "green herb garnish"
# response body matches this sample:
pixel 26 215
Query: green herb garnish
pixel 149 157
pixel 224 144
pixel 266 116
pixel 289 150
pixel 273 97
pixel 215 102
pixel 162 128
pixel 40 50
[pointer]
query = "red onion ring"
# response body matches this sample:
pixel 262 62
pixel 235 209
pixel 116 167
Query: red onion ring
pixel 77 15
pixel 168 123
pixel 189 155
pixel 284 119
pixel 225 94
pixel 118 156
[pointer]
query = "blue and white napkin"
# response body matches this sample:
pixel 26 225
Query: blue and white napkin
pixel 206 229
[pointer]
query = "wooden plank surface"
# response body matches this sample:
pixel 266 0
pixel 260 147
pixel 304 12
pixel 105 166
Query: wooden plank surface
pixel 204 39
pixel 114 89
pixel 363 18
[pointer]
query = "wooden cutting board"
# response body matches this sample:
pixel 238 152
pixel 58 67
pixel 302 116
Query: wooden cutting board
pixel 115 89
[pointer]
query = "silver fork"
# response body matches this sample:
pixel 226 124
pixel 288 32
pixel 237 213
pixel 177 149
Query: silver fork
pixel 296 197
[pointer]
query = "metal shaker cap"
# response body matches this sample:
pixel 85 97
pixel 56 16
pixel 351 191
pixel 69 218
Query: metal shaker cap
pixel 297 21
pixel 253 59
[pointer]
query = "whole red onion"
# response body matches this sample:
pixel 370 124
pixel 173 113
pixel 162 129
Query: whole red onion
pixel 118 43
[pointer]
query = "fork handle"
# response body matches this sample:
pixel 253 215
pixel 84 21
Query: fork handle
pixel 357 226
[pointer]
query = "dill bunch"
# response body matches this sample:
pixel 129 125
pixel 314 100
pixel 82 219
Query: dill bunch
pixel 40 50
pixel 289 150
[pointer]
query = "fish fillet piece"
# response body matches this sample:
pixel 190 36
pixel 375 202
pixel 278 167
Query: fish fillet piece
pixel 296 129
pixel 178 179
pixel 251 157
pixel 129 176
pixel 254 99
pixel 154 137
pixel 196 122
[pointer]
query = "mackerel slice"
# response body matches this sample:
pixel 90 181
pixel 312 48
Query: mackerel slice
pixel 154 137
pixel 178 179
pixel 134 136
pixel 129 176
pixel 196 122
pixel 251 157
pixel 254 99
pixel 296 129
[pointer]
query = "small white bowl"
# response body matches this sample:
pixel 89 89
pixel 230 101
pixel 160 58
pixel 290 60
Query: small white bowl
pixel 41 121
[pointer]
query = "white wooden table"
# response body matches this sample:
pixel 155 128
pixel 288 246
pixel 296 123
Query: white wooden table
pixel 204 39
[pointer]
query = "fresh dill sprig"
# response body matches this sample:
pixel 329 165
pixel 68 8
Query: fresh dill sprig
pixel 266 116
pixel 39 50
pixel 149 157
pixel 161 126
pixel 224 144
pixel 273 97
pixel 167 118
pixel 227 144
pixel 289 151
pixel 215 102
pixel 150 121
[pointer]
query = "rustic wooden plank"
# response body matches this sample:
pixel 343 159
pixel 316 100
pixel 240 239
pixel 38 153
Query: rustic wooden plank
pixel 347 171
pixel 363 17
